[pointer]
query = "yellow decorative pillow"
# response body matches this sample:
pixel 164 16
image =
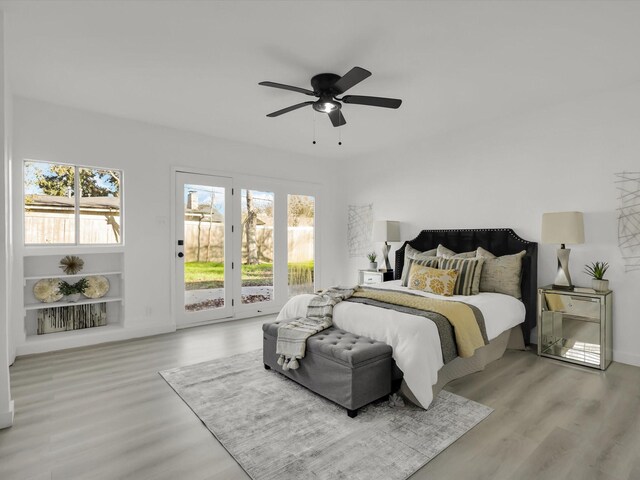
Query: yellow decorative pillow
pixel 427 279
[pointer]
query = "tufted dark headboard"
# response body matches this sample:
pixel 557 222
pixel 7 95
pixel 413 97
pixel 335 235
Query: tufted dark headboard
pixel 499 241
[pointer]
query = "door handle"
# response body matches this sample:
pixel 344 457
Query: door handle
pixel 180 254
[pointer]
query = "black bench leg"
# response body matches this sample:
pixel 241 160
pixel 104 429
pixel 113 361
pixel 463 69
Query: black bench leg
pixel 352 413
pixel 267 367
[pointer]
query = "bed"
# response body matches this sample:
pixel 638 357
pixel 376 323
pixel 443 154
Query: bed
pixel 415 341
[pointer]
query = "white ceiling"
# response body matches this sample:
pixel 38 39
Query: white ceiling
pixel 196 65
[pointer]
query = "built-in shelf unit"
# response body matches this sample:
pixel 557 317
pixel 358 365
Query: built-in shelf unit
pixel 41 264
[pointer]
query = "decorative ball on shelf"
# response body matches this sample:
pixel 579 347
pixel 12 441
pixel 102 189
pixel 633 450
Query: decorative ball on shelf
pixel 71 264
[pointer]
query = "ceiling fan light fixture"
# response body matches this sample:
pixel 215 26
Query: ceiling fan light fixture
pixel 326 106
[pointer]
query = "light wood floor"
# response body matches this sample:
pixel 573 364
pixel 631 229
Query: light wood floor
pixel 103 412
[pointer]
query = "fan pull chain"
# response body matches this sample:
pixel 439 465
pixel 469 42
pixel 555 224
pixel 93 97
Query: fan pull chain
pixel 313 112
pixel 340 135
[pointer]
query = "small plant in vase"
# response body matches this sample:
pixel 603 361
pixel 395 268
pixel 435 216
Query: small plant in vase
pixel 72 291
pixel 373 265
pixel 596 271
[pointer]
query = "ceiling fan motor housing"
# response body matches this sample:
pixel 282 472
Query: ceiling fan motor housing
pixel 323 82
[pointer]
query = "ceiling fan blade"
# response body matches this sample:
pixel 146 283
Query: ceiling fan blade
pixel 337 118
pixel 372 101
pixel 289 109
pixel 351 78
pixel 288 87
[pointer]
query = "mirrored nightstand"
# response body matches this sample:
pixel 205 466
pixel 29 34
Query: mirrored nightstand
pixel 575 326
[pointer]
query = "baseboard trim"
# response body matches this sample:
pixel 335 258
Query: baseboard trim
pixel 84 338
pixel 627 358
pixel 6 418
pixel 238 316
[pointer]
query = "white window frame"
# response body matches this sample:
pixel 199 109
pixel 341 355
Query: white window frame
pixel 77 197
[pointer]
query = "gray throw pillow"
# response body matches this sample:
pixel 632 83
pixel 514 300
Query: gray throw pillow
pixel 444 252
pixel 411 253
pixel 501 274
pixel 469 272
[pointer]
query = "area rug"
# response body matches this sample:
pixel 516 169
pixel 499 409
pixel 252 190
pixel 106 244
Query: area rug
pixel 276 429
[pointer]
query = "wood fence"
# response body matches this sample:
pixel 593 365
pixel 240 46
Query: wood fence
pixel 44 228
pixel 300 243
pixel 95 229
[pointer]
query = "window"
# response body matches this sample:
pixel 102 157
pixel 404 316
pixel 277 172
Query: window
pixel 301 243
pixel 68 204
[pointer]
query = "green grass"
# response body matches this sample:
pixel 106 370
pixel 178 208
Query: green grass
pixel 200 271
pixel 199 275
pixel 307 265
pixel 301 273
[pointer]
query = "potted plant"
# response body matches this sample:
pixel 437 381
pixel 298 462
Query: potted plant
pixel 596 271
pixel 373 265
pixel 72 291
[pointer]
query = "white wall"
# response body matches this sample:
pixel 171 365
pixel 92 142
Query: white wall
pixel 506 173
pixel 146 154
pixel 503 173
pixel 6 404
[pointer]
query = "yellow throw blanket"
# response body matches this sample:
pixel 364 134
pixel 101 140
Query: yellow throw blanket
pixel 462 317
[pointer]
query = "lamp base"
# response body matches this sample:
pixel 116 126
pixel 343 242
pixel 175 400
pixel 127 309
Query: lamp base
pixel 563 277
pixel 385 253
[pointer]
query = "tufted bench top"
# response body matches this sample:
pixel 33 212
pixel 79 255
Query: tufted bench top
pixel 339 345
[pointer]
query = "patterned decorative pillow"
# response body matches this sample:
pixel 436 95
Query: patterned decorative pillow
pixel 432 280
pixel 444 252
pixel 424 261
pixel 470 269
pixel 501 274
pixel 411 253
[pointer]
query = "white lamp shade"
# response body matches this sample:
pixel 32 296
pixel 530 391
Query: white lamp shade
pixel 562 227
pixel 386 231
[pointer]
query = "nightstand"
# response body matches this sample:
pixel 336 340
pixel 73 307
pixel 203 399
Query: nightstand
pixel 575 326
pixel 370 277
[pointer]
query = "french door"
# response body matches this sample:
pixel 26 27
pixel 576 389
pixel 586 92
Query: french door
pixel 242 246
pixel 203 249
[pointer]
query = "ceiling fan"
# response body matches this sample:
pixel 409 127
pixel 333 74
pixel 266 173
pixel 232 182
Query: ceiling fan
pixel 327 87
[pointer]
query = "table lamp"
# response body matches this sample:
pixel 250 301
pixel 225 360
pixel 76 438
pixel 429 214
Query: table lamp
pixel 562 228
pixel 386 231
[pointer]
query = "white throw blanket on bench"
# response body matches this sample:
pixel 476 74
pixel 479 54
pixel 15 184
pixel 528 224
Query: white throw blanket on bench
pixel 292 336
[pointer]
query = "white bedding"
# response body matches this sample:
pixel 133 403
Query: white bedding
pixel 415 340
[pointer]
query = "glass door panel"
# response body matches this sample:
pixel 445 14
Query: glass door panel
pixel 203 249
pixel 300 243
pixel 257 246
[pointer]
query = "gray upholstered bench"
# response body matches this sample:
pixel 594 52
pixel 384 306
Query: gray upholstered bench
pixel 347 369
